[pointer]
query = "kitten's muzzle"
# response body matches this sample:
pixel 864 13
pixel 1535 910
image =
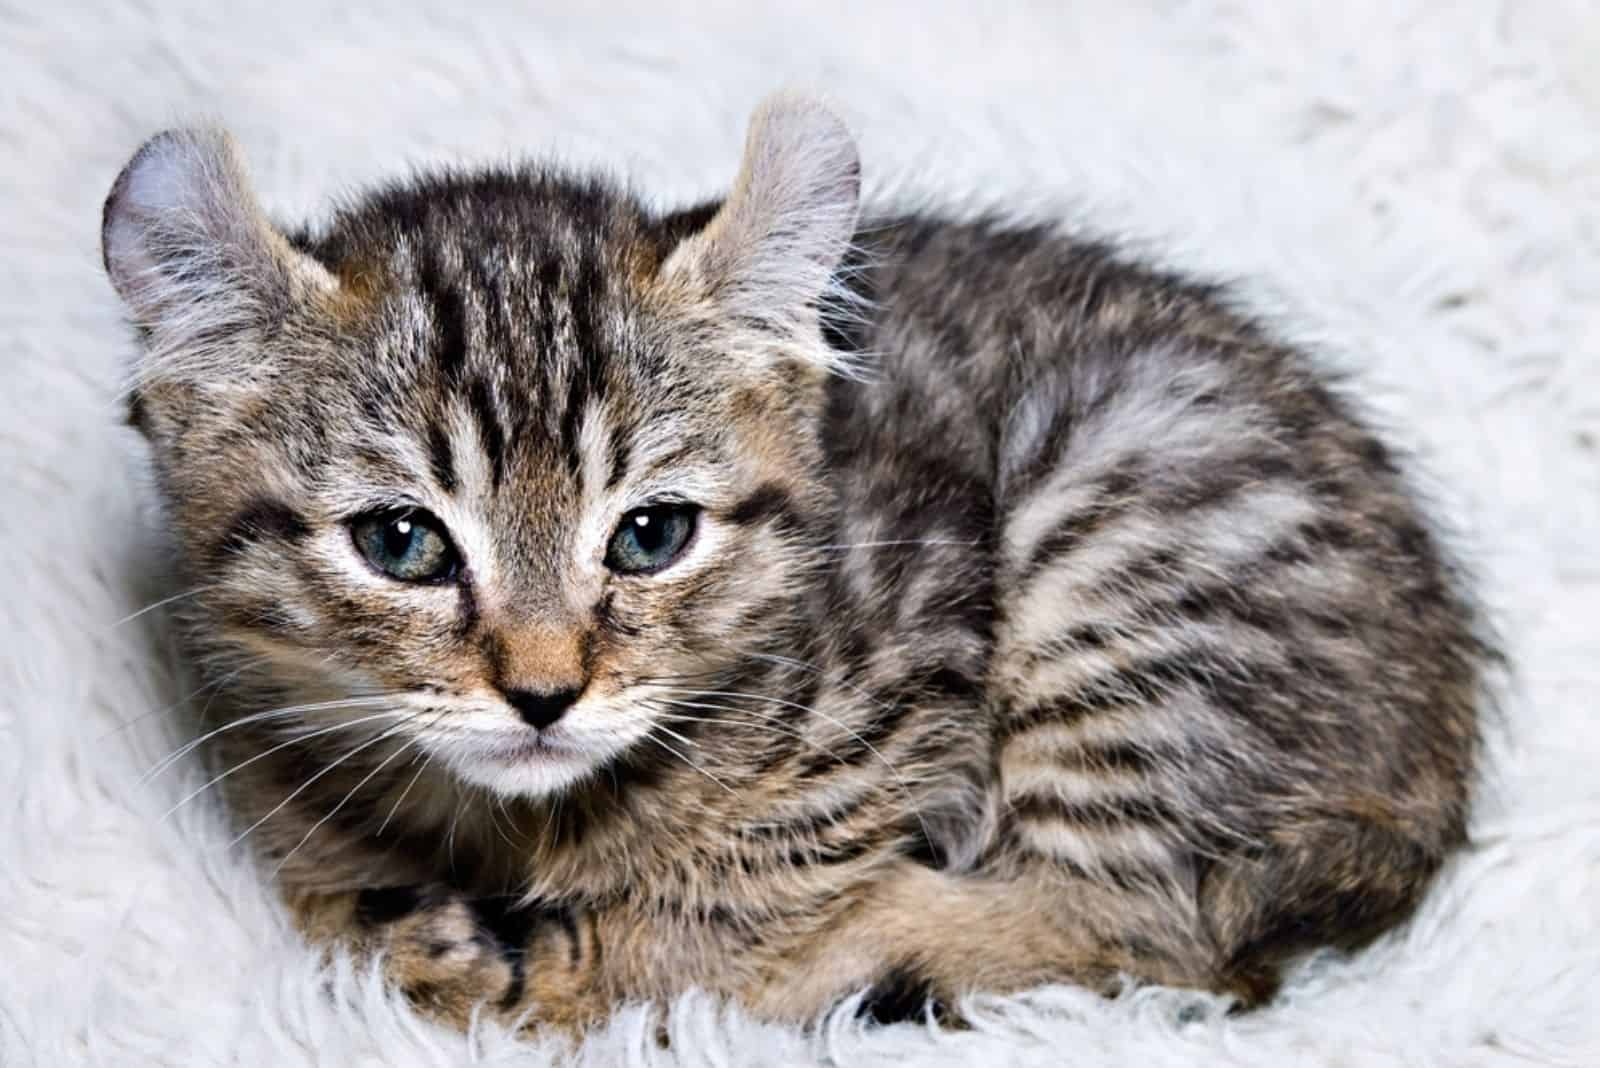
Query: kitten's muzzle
pixel 541 709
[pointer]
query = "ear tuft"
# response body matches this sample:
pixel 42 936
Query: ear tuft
pixel 770 252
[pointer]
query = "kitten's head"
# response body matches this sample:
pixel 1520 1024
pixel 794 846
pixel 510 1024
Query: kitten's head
pixel 504 450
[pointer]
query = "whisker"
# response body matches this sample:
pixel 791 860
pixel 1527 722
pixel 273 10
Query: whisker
pixel 899 778
pixel 771 728
pixel 334 811
pixel 776 725
pixel 802 665
pixel 277 748
pixel 772 723
pixel 688 676
pixel 686 741
pixel 784 702
pixel 428 759
pixel 303 787
pixel 687 761
pixel 450 838
pixel 258 717
pixel 555 810
pixel 497 810
pixel 164 601
pixel 899 541
pixel 179 703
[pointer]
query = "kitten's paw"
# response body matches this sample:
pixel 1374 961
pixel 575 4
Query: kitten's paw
pixel 447 952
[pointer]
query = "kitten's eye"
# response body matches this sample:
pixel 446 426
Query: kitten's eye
pixel 648 539
pixel 407 544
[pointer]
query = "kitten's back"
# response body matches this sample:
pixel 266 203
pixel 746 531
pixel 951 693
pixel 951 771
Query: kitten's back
pixel 1225 649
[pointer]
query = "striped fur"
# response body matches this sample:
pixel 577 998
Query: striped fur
pixel 1045 618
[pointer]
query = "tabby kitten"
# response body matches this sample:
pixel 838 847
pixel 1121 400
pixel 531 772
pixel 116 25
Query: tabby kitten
pixel 600 603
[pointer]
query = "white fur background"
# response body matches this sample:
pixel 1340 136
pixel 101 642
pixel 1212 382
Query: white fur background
pixel 1416 186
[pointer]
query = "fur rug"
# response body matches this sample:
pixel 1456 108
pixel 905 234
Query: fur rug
pixel 1414 186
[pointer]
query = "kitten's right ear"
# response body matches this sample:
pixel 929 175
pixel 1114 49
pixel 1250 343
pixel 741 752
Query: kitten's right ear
pixel 770 252
pixel 188 249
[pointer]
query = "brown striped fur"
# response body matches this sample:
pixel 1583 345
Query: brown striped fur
pixel 1046 619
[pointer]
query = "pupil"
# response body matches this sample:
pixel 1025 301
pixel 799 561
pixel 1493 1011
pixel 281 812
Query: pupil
pixel 647 534
pixel 397 539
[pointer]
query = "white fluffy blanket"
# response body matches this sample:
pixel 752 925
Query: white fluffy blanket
pixel 1414 185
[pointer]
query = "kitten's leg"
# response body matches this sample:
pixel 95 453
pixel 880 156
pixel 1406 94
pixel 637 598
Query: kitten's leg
pixel 1227 925
pixel 921 935
pixel 454 954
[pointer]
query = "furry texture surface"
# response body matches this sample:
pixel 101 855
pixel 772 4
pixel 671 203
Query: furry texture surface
pixel 1413 187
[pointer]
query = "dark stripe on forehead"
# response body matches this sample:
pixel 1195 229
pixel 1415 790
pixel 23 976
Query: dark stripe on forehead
pixel 500 321
pixel 260 520
pixel 486 277
pixel 481 402
pixel 586 379
pixel 621 452
pixel 545 320
pixel 447 308
pixel 571 415
pixel 587 293
pixel 441 459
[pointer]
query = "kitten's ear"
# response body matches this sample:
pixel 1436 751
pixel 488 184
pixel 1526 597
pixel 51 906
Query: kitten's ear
pixel 770 252
pixel 188 249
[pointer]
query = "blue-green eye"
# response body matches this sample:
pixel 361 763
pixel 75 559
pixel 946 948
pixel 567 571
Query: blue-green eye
pixel 648 539
pixel 406 544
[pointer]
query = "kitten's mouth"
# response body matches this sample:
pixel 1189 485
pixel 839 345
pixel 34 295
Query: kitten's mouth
pixel 533 746
pixel 522 762
pixel 536 745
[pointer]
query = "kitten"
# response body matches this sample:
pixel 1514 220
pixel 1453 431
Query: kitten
pixel 605 603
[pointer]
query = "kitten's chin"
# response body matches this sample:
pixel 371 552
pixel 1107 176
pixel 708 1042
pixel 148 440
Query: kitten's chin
pixel 520 765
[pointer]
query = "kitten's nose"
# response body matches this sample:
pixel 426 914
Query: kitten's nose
pixel 541 709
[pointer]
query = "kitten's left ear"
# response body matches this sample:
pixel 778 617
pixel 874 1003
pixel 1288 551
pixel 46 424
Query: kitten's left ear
pixel 771 250
pixel 189 250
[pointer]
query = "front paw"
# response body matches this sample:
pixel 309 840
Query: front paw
pixel 447 952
